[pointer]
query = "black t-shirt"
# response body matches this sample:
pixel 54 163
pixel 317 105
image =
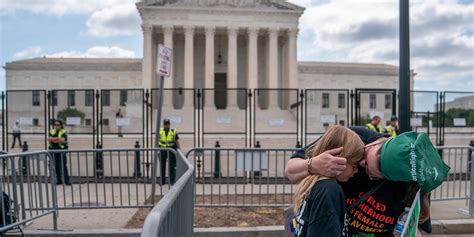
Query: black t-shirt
pixel 322 213
pixel 378 214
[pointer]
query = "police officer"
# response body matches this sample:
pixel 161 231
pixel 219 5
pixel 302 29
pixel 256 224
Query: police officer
pixel 392 128
pixel 168 139
pixel 58 141
pixel 374 124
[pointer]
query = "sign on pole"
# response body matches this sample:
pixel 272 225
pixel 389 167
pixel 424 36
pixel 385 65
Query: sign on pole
pixel 164 59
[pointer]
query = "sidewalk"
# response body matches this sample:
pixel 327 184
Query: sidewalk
pixel 442 213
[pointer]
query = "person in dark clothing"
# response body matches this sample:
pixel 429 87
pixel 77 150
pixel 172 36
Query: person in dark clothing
pixel 58 141
pixel 16 132
pixel 168 139
pixel 319 200
pixel 378 214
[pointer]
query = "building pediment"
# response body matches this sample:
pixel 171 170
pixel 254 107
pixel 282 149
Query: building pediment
pixel 248 4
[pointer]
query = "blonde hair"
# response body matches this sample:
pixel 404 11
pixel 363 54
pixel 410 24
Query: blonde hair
pixel 335 137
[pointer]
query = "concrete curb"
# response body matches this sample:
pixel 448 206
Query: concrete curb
pixel 259 231
pixel 82 233
pixel 453 226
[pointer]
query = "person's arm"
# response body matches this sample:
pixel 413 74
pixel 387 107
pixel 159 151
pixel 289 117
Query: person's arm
pixel 178 144
pixel 326 164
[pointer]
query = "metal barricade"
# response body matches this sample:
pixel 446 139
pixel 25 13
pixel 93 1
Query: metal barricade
pixel 108 178
pixel 27 189
pixel 458 184
pixel 173 215
pixel 241 177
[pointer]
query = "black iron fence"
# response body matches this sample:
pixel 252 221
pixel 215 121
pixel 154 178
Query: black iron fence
pixel 268 118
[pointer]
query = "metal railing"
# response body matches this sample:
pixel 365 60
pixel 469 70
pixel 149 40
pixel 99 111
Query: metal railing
pixel 174 213
pixel 241 177
pixel 108 178
pixel 42 183
pixel 26 189
pixel 457 184
pixel 255 177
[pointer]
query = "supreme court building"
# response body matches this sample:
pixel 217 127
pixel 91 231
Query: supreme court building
pixel 225 48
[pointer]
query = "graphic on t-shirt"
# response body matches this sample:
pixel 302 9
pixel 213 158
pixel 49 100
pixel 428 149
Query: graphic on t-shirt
pixel 369 216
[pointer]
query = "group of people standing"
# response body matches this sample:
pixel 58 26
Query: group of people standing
pixel 57 140
pixel 391 129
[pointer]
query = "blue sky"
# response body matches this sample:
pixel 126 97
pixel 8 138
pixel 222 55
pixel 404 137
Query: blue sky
pixel 442 34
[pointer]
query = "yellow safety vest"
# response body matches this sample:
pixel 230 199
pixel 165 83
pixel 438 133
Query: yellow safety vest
pixel 61 133
pixel 390 130
pixel 373 128
pixel 167 140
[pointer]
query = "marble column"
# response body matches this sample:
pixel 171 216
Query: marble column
pixel 292 59
pixel 273 66
pixel 209 73
pixel 232 65
pixel 168 42
pixel 188 63
pixel 252 58
pixel 147 68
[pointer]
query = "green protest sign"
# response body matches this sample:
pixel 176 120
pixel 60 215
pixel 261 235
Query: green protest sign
pixel 411 224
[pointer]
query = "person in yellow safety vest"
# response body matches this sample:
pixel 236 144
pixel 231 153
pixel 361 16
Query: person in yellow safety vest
pixel 168 139
pixel 374 124
pixel 57 140
pixel 392 128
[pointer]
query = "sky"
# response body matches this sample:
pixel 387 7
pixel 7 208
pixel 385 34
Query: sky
pixel 363 31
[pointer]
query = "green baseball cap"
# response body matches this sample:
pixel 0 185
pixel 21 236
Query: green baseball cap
pixel 412 157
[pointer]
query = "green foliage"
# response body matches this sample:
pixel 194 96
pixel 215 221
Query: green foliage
pixel 70 112
pixel 363 121
pixel 468 114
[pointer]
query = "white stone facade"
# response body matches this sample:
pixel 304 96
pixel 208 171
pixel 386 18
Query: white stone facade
pixel 218 45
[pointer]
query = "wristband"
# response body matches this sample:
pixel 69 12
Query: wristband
pixel 309 166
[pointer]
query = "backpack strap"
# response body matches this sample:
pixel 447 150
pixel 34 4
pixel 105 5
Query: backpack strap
pixel 366 195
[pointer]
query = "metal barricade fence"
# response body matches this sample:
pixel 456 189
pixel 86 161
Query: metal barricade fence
pixel 458 183
pixel 241 177
pixel 27 189
pixel 173 215
pixel 108 178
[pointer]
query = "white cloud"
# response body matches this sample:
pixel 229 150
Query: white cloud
pixel 58 7
pixel 116 20
pixel 442 37
pixel 96 52
pixel 28 53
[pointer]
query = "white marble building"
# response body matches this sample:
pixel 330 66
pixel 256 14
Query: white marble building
pixel 218 45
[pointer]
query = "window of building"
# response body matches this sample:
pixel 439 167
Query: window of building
pixel 388 101
pixel 88 122
pixel 35 122
pixel 341 100
pixel 105 122
pixel 342 122
pixel 373 101
pixel 55 98
pixel 89 98
pixel 71 98
pixel 105 98
pixel 36 98
pixel 325 100
pixel 123 97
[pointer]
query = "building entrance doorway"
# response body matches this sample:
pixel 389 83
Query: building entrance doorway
pixel 220 86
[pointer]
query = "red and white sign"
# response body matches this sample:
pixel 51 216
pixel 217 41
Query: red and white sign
pixel 164 59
